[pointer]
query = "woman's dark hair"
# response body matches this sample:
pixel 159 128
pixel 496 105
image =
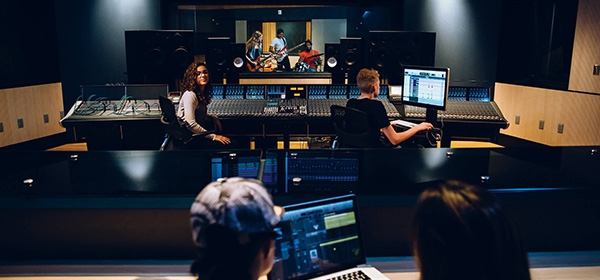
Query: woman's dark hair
pixel 189 83
pixel 461 232
pixel 225 257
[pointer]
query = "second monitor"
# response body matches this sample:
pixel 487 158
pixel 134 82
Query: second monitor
pixel 426 87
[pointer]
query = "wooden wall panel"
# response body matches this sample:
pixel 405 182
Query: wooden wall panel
pixel 586 48
pixel 578 112
pixel 4 119
pixel 30 104
pixel 269 33
pixel 580 115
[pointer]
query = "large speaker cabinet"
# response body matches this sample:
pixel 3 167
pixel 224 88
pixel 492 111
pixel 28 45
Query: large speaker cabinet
pixel 158 56
pixel 390 50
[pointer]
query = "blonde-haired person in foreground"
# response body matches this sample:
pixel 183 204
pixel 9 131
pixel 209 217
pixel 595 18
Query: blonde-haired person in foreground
pixel 382 131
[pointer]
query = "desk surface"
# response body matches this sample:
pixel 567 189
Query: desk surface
pixel 565 266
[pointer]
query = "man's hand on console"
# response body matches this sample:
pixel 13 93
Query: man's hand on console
pixel 424 126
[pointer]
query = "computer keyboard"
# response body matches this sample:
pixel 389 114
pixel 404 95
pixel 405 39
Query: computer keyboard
pixel 403 123
pixel 358 275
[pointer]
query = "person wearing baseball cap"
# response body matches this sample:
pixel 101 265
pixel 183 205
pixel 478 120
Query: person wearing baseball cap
pixel 232 223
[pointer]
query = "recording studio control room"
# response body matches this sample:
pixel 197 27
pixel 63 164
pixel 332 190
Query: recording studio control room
pixel 194 139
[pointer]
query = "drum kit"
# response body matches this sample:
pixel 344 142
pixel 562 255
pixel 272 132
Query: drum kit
pixel 303 67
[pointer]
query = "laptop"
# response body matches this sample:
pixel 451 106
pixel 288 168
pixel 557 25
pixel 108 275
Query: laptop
pixel 320 240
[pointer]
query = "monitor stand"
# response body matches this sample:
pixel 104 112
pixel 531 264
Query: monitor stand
pixel 431 116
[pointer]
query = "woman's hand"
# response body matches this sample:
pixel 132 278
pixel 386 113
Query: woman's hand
pixel 222 139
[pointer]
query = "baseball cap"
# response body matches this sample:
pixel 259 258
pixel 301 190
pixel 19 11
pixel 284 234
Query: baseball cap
pixel 241 205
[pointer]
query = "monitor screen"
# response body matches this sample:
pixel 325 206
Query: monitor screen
pixel 315 171
pixel 395 93
pixel 235 164
pixel 426 87
pixel 317 237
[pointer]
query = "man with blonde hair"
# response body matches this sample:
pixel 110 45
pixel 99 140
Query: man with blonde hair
pixel 380 127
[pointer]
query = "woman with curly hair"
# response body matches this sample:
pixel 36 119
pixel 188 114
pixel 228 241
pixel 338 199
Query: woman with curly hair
pixel 193 104
pixel 254 50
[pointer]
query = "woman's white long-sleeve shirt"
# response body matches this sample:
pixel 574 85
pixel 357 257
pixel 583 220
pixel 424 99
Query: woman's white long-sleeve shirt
pixel 192 113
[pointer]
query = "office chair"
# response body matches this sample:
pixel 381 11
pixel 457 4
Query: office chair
pixel 352 128
pixel 177 137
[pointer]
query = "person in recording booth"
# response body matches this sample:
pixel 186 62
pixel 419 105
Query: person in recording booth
pixel 310 57
pixel 233 224
pixel 254 50
pixel 277 45
pixel 381 128
pixel 192 111
pixel 461 232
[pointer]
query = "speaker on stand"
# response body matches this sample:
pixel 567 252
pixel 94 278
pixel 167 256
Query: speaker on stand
pixel 351 56
pixel 217 55
pixel 180 57
pixel 332 63
pixel 236 62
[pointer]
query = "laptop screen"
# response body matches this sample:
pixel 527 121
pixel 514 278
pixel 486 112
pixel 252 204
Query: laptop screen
pixel 318 237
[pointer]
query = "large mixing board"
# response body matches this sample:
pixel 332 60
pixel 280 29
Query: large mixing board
pixel 268 110
pixel 274 101
pixel 462 111
pixel 469 112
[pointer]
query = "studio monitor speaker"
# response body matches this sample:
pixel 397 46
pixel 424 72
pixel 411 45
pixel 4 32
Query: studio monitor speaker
pixel 236 62
pixel 157 56
pixel 331 57
pixel 332 63
pixel 351 54
pixel 217 55
pixel 390 50
pixel 351 57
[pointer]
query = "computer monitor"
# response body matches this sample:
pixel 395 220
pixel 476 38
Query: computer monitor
pixel 321 171
pixel 426 87
pixel 245 164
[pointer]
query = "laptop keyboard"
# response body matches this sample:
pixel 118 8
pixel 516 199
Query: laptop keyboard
pixel 355 275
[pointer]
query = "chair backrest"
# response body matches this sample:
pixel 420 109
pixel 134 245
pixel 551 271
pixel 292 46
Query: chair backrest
pixel 167 108
pixel 169 120
pixel 352 128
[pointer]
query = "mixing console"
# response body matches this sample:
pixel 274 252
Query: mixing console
pixel 285 108
pixel 218 92
pixel 269 105
pixel 317 92
pixel 267 101
pixel 255 92
pixel 462 110
pixel 479 94
pixel 321 108
pixel 229 108
pixel 353 92
pixel 234 92
pixel 338 92
pixel 390 109
pixel 102 108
